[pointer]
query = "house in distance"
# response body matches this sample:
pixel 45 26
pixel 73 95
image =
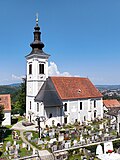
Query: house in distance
pixel 64 99
pixel 5 101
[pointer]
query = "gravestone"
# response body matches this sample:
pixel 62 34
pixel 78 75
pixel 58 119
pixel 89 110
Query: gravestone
pixel 81 138
pixel 16 152
pixel 67 144
pixel 52 140
pixel 29 137
pixel 108 146
pixel 107 129
pixel 96 137
pixel 28 147
pixel 34 151
pixel 11 148
pixel 51 134
pixel 23 145
pixel 8 144
pixel 54 148
pixel 7 148
pixel 100 132
pixel 40 142
pixel 61 137
pixel 60 146
pixel 93 138
pixel 17 146
pixel 101 126
pixel 88 140
pixel 75 143
pixel 99 150
pixel 14 143
pixel 118 151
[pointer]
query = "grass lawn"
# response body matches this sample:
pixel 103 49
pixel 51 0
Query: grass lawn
pixel 75 157
pixel 24 152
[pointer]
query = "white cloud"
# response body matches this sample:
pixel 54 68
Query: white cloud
pixel 11 79
pixel 18 78
pixel 54 71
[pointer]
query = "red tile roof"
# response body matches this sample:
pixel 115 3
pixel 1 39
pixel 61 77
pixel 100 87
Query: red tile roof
pixel 111 103
pixel 5 101
pixel 75 88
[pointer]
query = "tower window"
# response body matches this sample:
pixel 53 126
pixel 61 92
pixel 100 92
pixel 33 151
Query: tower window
pixel 80 105
pixel 30 69
pixel 37 107
pixel 41 68
pixel 65 107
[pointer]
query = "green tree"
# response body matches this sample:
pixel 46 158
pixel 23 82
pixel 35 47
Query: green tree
pixel 20 104
pixel 1 114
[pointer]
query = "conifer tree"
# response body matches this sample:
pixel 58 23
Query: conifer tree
pixel 20 104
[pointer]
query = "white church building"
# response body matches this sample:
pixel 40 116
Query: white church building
pixel 65 99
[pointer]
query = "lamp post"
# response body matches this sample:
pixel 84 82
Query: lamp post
pixel 40 119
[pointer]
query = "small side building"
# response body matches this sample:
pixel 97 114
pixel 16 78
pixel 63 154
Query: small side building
pixel 111 107
pixel 5 100
pixel 112 110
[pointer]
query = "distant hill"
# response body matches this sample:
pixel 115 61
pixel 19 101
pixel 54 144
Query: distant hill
pixel 110 87
pixel 10 89
pixel 15 84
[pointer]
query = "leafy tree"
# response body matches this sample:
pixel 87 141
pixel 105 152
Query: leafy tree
pixel 1 114
pixel 20 104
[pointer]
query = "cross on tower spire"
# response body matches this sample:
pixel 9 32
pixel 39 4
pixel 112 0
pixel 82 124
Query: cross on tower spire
pixel 37 19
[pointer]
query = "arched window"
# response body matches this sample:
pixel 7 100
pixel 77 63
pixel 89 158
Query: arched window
pixel 37 107
pixel 30 104
pixel 41 68
pixel 65 107
pixel 30 68
pixel 94 103
pixel 95 115
pixel 80 105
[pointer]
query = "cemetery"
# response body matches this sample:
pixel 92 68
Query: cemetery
pixel 64 142
pixel 71 136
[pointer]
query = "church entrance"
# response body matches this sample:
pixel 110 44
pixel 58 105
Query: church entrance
pixel 65 120
pixel 50 116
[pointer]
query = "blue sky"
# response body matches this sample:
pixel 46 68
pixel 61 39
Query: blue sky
pixel 82 37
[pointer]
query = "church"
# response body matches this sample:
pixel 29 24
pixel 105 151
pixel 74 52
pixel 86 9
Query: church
pixel 63 99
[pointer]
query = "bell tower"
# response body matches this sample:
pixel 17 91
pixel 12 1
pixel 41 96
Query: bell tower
pixel 37 72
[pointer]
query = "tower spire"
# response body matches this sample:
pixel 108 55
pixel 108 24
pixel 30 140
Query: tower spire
pixel 37 44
